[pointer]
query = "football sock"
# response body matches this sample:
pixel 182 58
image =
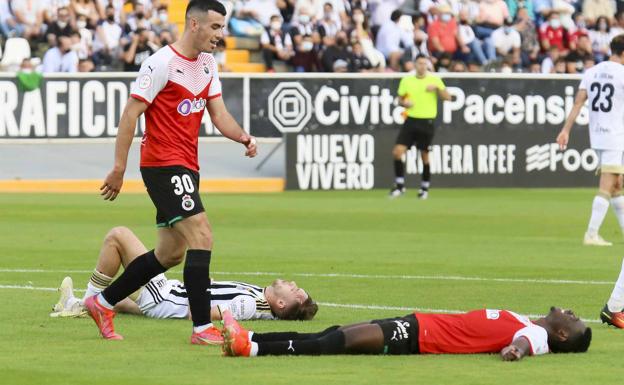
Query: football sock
pixel 97 283
pixel 197 281
pixel 426 176
pixel 616 302
pixel 600 207
pixel 331 343
pixel 285 336
pixel 399 173
pixel 136 274
pixel 617 202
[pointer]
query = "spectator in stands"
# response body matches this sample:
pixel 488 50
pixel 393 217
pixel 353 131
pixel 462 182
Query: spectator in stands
pixel 252 16
pixel 276 45
pixel 535 67
pixel 492 15
pixel 529 46
pixel 600 38
pixel 29 15
pixel 338 11
pixel 578 29
pixel 9 27
pixel 389 40
pixel 359 60
pixel 107 38
pixel 458 66
pixel 161 23
pixel 443 33
pixel 82 42
pixel 552 33
pixel 470 46
pixel 443 64
pixel 593 9
pixel 139 49
pixel 507 42
pixel 336 49
pixel 306 42
pixel 548 64
pixel 60 58
pixel 576 59
pixel 329 25
pixel 87 8
pixel 560 66
pixel 542 8
pixel 86 65
pixel 381 11
pixel 165 38
pixel 420 46
pixel 287 10
pixel 118 6
pixel 362 34
pixel 514 6
pixel 138 19
pixel 60 27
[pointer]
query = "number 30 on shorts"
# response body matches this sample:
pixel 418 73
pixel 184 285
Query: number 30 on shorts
pixel 182 184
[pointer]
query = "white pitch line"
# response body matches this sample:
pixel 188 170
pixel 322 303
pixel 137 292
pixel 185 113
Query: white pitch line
pixel 328 304
pixel 358 276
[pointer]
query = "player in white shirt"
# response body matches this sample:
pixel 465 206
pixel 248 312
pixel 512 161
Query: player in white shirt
pixel 167 298
pixel 603 86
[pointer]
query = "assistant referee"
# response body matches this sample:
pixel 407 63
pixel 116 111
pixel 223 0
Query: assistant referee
pixel 419 95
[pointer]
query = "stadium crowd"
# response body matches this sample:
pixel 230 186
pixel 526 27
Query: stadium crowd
pixel 538 36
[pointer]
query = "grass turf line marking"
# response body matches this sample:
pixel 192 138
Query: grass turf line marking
pixel 360 276
pixel 328 304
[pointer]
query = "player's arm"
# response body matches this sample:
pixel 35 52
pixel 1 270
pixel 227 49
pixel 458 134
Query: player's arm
pixel 226 124
pixel 564 135
pixel 519 348
pixel 127 124
pixel 404 101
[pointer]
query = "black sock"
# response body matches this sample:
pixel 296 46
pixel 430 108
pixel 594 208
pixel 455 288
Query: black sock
pixel 331 343
pixel 136 274
pixel 426 177
pixel 285 336
pixel 399 173
pixel 197 282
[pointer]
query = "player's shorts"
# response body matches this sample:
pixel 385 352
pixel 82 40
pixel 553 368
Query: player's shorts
pixel 400 334
pixel 417 132
pixel 174 190
pixel 159 299
pixel 610 161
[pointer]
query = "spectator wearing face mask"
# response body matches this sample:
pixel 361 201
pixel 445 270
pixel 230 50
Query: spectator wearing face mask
pixel 137 19
pixel 329 25
pixel 59 27
pixel 276 45
pixel 336 49
pixel 552 33
pixel 306 41
pixel 60 58
pixel 160 22
pixel 507 42
pixel 600 38
pixel 107 37
pixel 443 33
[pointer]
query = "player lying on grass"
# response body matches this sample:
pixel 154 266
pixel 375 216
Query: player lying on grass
pixel 167 298
pixel 479 331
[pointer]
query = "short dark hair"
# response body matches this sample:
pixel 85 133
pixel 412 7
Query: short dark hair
pixel 205 6
pixel 617 45
pixel 421 56
pixel 577 344
pixel 304 311
pixel 396 15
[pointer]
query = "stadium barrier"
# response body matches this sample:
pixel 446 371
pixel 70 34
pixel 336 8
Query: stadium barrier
pixel 498 130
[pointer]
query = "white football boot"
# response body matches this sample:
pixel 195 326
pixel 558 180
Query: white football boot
pixel 68 305
pixel 595 240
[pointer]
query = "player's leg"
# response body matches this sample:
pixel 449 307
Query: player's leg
pixel 197 233
pixel 398 154
pixel 600 206
pixel 120 247
pixel 617 201
pixel 424 139
pixel 425 181
pixel 613 311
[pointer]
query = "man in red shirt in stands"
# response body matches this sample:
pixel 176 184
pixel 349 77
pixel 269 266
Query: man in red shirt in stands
pixel 552 34
pixel 443 33
pixel 480 331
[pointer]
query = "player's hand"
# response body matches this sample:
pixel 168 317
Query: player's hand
pixel 250 144
pixel 432 88
pixel 510 353
pixel 562 140
pixel 112 185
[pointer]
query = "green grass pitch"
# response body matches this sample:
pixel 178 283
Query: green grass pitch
pixel 359 254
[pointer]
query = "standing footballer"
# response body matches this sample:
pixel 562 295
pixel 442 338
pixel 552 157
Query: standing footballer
pixel 419 95
pixel 173 88
pixel 603 85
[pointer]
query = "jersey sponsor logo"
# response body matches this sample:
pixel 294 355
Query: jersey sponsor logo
pixel 187 203
pixel 206 70
pixel 187 106
pixel 145 82
pixel 400 333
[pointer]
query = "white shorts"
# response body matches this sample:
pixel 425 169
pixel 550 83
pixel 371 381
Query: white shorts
pixel 161 301
pixel 610 161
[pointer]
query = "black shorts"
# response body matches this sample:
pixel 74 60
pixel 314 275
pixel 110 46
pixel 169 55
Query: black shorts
pixel 400 334
pixel 417 132
pixel 174 190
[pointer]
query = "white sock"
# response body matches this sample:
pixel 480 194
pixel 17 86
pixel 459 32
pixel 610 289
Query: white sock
pixel 616 302
pixel 618 206
pixel 600 207
pixel 201 328
pixel 104 302
pixel 254 349
pixel 91 291
pixel 399 180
